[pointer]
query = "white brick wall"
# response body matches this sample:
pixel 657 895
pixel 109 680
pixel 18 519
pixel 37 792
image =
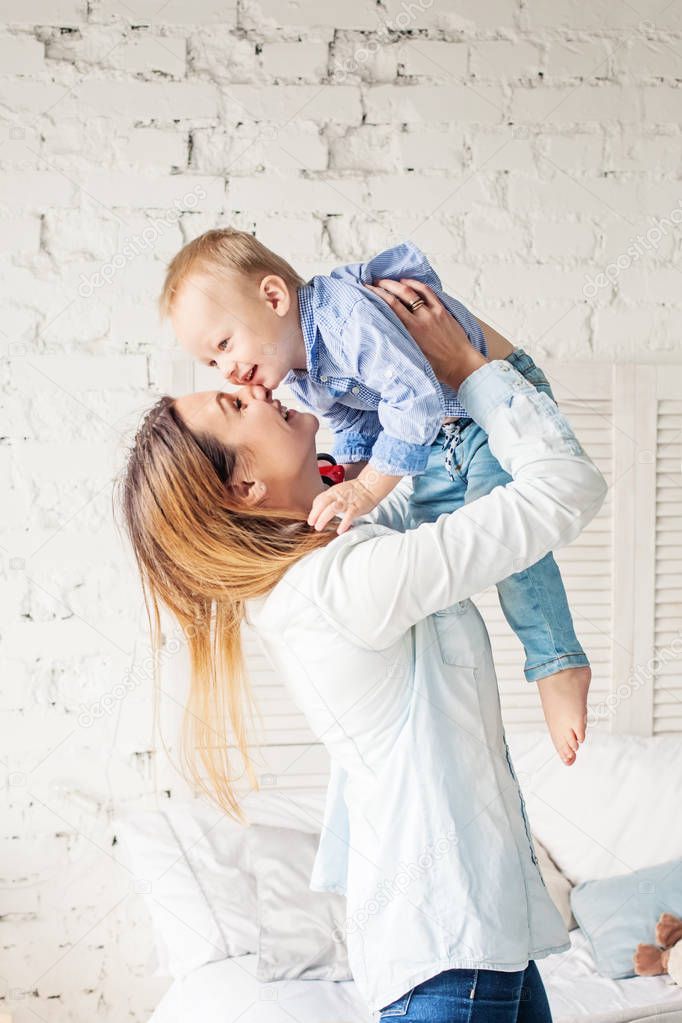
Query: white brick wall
pixel 527 145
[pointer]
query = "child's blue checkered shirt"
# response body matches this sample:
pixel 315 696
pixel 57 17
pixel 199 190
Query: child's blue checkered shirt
pixel 365 373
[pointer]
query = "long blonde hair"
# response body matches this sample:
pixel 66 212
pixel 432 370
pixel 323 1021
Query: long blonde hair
pixel 202 553
pixel 224 251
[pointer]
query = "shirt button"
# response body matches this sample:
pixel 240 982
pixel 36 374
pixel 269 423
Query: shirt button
pixel 355 390
pixel 324 379
pixel 505 367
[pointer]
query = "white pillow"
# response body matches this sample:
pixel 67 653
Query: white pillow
pixel 190 862
pixel 558 886
pixel 300 809
pixel 301 932
pixel 615 810
pixel 187 862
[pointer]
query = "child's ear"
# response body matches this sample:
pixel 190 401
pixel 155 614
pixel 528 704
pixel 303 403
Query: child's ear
pixel 274 291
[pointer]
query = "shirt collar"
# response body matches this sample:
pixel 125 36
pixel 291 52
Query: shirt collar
pixel 403 260
pixel 308 329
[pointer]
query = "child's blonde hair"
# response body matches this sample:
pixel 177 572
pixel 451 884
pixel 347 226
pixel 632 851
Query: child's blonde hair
pixel 220 251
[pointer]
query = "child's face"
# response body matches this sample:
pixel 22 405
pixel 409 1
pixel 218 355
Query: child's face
pixel 245 328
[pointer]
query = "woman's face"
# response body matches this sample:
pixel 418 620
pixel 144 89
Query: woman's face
pixel 278 462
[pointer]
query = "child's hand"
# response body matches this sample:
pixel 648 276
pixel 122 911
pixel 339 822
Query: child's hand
pixel 349 499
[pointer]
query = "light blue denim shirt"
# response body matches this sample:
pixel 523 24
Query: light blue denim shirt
pixel 365 373
pixel 376 639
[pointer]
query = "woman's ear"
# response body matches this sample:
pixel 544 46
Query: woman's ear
pixel 251 492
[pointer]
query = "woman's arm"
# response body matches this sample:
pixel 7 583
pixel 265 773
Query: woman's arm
pixel 498 346
pixel 377 585
pixel 353 469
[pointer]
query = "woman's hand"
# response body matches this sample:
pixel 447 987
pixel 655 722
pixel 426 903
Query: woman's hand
pixel 441 338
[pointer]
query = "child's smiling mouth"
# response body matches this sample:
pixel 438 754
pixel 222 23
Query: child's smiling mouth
pixel 248 377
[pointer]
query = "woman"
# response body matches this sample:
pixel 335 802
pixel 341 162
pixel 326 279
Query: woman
pixel 373 632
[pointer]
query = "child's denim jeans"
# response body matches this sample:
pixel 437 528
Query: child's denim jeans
pixel 533 601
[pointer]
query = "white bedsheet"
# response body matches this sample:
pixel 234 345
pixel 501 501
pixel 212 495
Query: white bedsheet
pixel 227 992
pixel 578 993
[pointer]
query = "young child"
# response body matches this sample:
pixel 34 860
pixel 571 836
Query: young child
pixel 347 356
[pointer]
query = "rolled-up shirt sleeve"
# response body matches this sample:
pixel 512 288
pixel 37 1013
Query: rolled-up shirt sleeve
pixel 411 406
pixel 355 433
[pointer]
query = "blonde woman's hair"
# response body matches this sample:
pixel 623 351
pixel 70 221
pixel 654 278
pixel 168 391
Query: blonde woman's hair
pixel 219 252
pixel 202 553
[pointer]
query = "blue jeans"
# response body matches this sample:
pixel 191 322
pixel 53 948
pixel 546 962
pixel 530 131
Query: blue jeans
pixel 533 601
pixel 474 996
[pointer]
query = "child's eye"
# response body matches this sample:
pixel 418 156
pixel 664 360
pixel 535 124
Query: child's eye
pixel 223 345
pixel 239 403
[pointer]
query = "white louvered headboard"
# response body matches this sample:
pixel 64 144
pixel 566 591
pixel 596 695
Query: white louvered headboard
pixel 623 574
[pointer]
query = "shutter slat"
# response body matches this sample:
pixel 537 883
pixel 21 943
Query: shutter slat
pixel 667 694
pixel 586 568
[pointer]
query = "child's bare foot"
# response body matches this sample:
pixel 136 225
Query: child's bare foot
pixel 668 930
pixel 564 703
pixel 649 961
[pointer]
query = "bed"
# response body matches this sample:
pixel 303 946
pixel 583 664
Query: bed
pixel 241 937
pixel 227 991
